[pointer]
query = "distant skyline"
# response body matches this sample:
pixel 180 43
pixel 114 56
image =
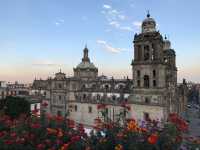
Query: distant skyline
pixel 39 37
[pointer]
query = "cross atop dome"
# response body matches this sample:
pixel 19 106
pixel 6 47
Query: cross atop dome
pixel 148 14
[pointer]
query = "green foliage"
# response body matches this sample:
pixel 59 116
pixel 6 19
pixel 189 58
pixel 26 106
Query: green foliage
pixel 15 106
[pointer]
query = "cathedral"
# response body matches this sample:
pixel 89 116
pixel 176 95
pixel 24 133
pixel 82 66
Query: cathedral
pixel 152 92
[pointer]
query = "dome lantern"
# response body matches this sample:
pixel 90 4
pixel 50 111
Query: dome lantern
pixel 149 24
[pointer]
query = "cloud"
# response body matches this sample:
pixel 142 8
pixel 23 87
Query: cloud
pixel 126 28
pixel 137 24
pixel 84 18
pixel 115 24
pixel 118 26
pixel 59 22
pixel 116 18
pixel 106 6
pixel 109 48
pixel 45 63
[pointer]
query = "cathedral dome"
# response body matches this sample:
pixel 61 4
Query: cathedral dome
pixel 86 65
pixel 167 44
pixel 148 24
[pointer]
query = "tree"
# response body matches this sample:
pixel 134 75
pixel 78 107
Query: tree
pixel 15 106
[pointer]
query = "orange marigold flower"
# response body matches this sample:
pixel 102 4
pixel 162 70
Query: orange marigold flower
pixel 119 147
pixel 51 131
pixel 65 146
pixel 132 126
pixel 152 139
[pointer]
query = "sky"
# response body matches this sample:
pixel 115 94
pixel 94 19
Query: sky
pixel 39 37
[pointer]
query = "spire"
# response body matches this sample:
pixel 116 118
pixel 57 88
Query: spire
pixel 148 14
pixel 85 54
pixel 165 37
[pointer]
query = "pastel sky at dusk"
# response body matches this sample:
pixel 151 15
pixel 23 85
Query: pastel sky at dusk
pixel 38 37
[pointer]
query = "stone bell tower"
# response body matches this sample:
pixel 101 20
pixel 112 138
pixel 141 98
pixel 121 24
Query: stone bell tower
pixel 149 70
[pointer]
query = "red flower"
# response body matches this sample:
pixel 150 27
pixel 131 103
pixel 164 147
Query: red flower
pixel 75 138
pixel 35 111
pixel 152 139
pixel 178 121
pixel 126 106
pixel 65 146
pixel 2 133
pixel 40 146
pixel 48 142
pixel 70 123
pixel 20 140
pixel 35 125
pixel 101 106
pixel 44 104
pixel 13 134
pixel 8 142
pixel 59 118
pixel 81 129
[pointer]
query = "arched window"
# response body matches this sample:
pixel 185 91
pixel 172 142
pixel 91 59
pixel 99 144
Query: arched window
pixel 98 97
pixel 138 83
pixel 147 100
pixel 154 83
pixel 84 96
pixel 154 73
pixel 83 86
pixel 113 97
pixel 106 86
pixel 146 81
pixel 146 52
pixel 121 87
pixel 138 73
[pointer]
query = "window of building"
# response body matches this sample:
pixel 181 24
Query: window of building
pixel 138 83
pixel 146 52
pixel 154 73
pixel 89 109
pixel 113 97
pixel 146 81
pixel 121 87
pixel 106 110
pixel 98 97
pixel 84 96
pixel 59 85
pixel 146 116
pixel 59 113
pixel 75 108
pixel 73 86
pixel 138 73
pixel 147 100
pixel 94 86
pixel 106 86
pixel 139 50
pixel 83 86
pixel 154 83
pixel 59 97
pixel 35 107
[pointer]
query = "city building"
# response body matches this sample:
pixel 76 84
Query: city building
pixel 152 92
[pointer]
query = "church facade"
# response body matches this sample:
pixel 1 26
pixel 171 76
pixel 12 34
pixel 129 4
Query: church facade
pixel 152 92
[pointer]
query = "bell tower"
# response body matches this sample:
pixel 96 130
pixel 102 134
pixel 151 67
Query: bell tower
pixel 149 70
